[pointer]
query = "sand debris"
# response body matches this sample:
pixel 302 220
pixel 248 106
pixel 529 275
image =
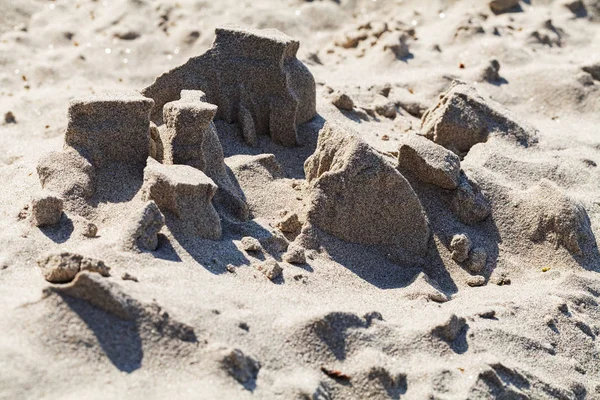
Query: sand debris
pixel 477 260
pixel 270 268
pixel 251 244
pixel 342 101
pixel 241 367
pixel 290 223
pixel 460 246
pixel 9 118
pixel 295 254
pixel 476 280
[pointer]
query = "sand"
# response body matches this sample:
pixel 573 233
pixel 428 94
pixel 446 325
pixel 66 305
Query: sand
pixel 392 199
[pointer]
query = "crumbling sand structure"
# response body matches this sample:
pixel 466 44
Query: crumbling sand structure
pixel 254 78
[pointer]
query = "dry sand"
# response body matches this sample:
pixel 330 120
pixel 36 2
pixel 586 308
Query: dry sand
pixel 408 210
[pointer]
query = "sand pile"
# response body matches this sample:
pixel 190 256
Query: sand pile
pixel 403 207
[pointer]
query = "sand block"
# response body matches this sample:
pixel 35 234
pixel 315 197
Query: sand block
pixel 463 118
pixel 186 123
pixel 66 173
pixel 358 196
pixel 468 203
pixel 251 69
pixel 111 127
pixel 46 209
pixel 63 267
pixel 429 162
pixel 187 193
pixel 143 227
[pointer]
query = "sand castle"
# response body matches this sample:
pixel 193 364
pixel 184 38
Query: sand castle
pixel 253 77
pixel 426 219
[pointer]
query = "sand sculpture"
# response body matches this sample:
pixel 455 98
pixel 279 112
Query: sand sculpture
pixel 253 76
pixel 273 94
pixel 427 200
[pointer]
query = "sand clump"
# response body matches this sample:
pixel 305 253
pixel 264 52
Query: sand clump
pixel 460 246
pixel 67 173
pixel 295 254
pixel 251 244
pixel 271 269
pixel 141 232
pixel 463 118
pixel 468 203
pixel 550 215
pixel 63 267
pixel 347 179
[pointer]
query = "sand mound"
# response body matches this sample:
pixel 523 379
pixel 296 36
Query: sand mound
pixel 549 215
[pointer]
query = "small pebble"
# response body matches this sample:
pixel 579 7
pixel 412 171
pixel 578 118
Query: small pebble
pixel 476 280
pixel 9 118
